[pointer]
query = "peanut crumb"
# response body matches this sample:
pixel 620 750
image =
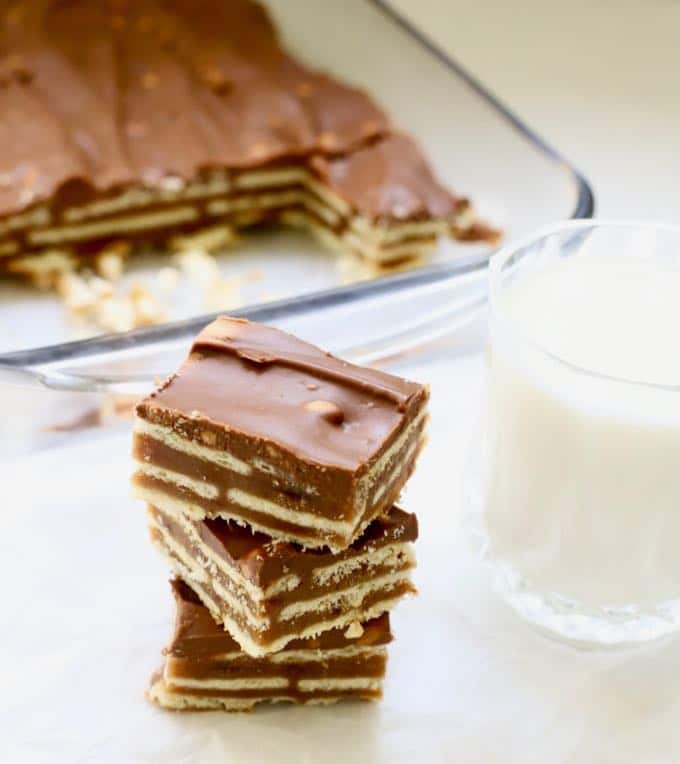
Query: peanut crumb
pixel 150 80
pixel 216 79
pixel 110 261
pixel 369 127
pixel 219 293
pixel 115 314
pixel 257 150
pixel 76 293
pixel 328 140
pixel 147 310
pixel 26 197
pixel 354 630
pixel 171 183
pixel 304 89
pixel 327 410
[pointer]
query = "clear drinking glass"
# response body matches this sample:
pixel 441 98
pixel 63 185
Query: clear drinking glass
pixel 574 486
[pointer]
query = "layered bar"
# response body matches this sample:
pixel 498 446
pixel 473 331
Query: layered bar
pixel 136 121
pixel 264 429
pixel 267 593
pixel 204 668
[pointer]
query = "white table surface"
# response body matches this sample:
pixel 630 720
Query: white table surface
pixel 467 682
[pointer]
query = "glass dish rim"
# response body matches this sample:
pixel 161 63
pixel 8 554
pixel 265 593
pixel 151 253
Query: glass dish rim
pixel 503 255
pixel 584 208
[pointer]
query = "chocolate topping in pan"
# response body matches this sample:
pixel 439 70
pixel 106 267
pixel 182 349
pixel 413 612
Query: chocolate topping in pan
pixel 98 97
pixel 388 179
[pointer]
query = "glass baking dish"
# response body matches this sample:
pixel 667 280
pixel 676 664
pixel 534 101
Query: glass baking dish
pixel 476 145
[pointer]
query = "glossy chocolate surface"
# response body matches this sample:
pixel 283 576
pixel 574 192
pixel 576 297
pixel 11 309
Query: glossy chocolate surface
pixel 97 97
pixel 388 179
pixel 266 384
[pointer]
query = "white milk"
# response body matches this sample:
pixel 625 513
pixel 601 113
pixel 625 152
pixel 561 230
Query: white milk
pixel 584 484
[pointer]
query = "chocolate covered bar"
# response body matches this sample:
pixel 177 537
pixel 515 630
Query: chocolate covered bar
pixel 267 593
pixel 133 121
pixel 262 428
pixel 204 668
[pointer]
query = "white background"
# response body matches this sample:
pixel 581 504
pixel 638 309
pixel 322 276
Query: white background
pixel 597 78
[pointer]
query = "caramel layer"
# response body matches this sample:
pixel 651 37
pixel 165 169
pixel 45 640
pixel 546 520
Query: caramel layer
pixel 306 498
pixel 177 500
pixel 204 667
pixel 367 663
pixel 336 535
pixel 196 635
pixel 265 637
pixel 267 576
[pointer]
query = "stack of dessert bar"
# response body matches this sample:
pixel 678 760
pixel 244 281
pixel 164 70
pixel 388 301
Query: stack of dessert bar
pixel 126 122
pixel 271 470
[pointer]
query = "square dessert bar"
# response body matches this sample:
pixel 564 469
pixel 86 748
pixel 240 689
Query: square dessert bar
pixel 262 428
pixel 204 668
pixel 267 593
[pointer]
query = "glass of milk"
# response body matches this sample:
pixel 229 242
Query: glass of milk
pixel 580 503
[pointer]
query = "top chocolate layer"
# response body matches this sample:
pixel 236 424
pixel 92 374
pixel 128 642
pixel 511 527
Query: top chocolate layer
pixel 197 635
pixel 267 384
pixel 97 97
pixel 388 179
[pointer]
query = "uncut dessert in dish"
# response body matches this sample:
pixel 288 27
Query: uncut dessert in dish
pixel 125 124
pixel 270 470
